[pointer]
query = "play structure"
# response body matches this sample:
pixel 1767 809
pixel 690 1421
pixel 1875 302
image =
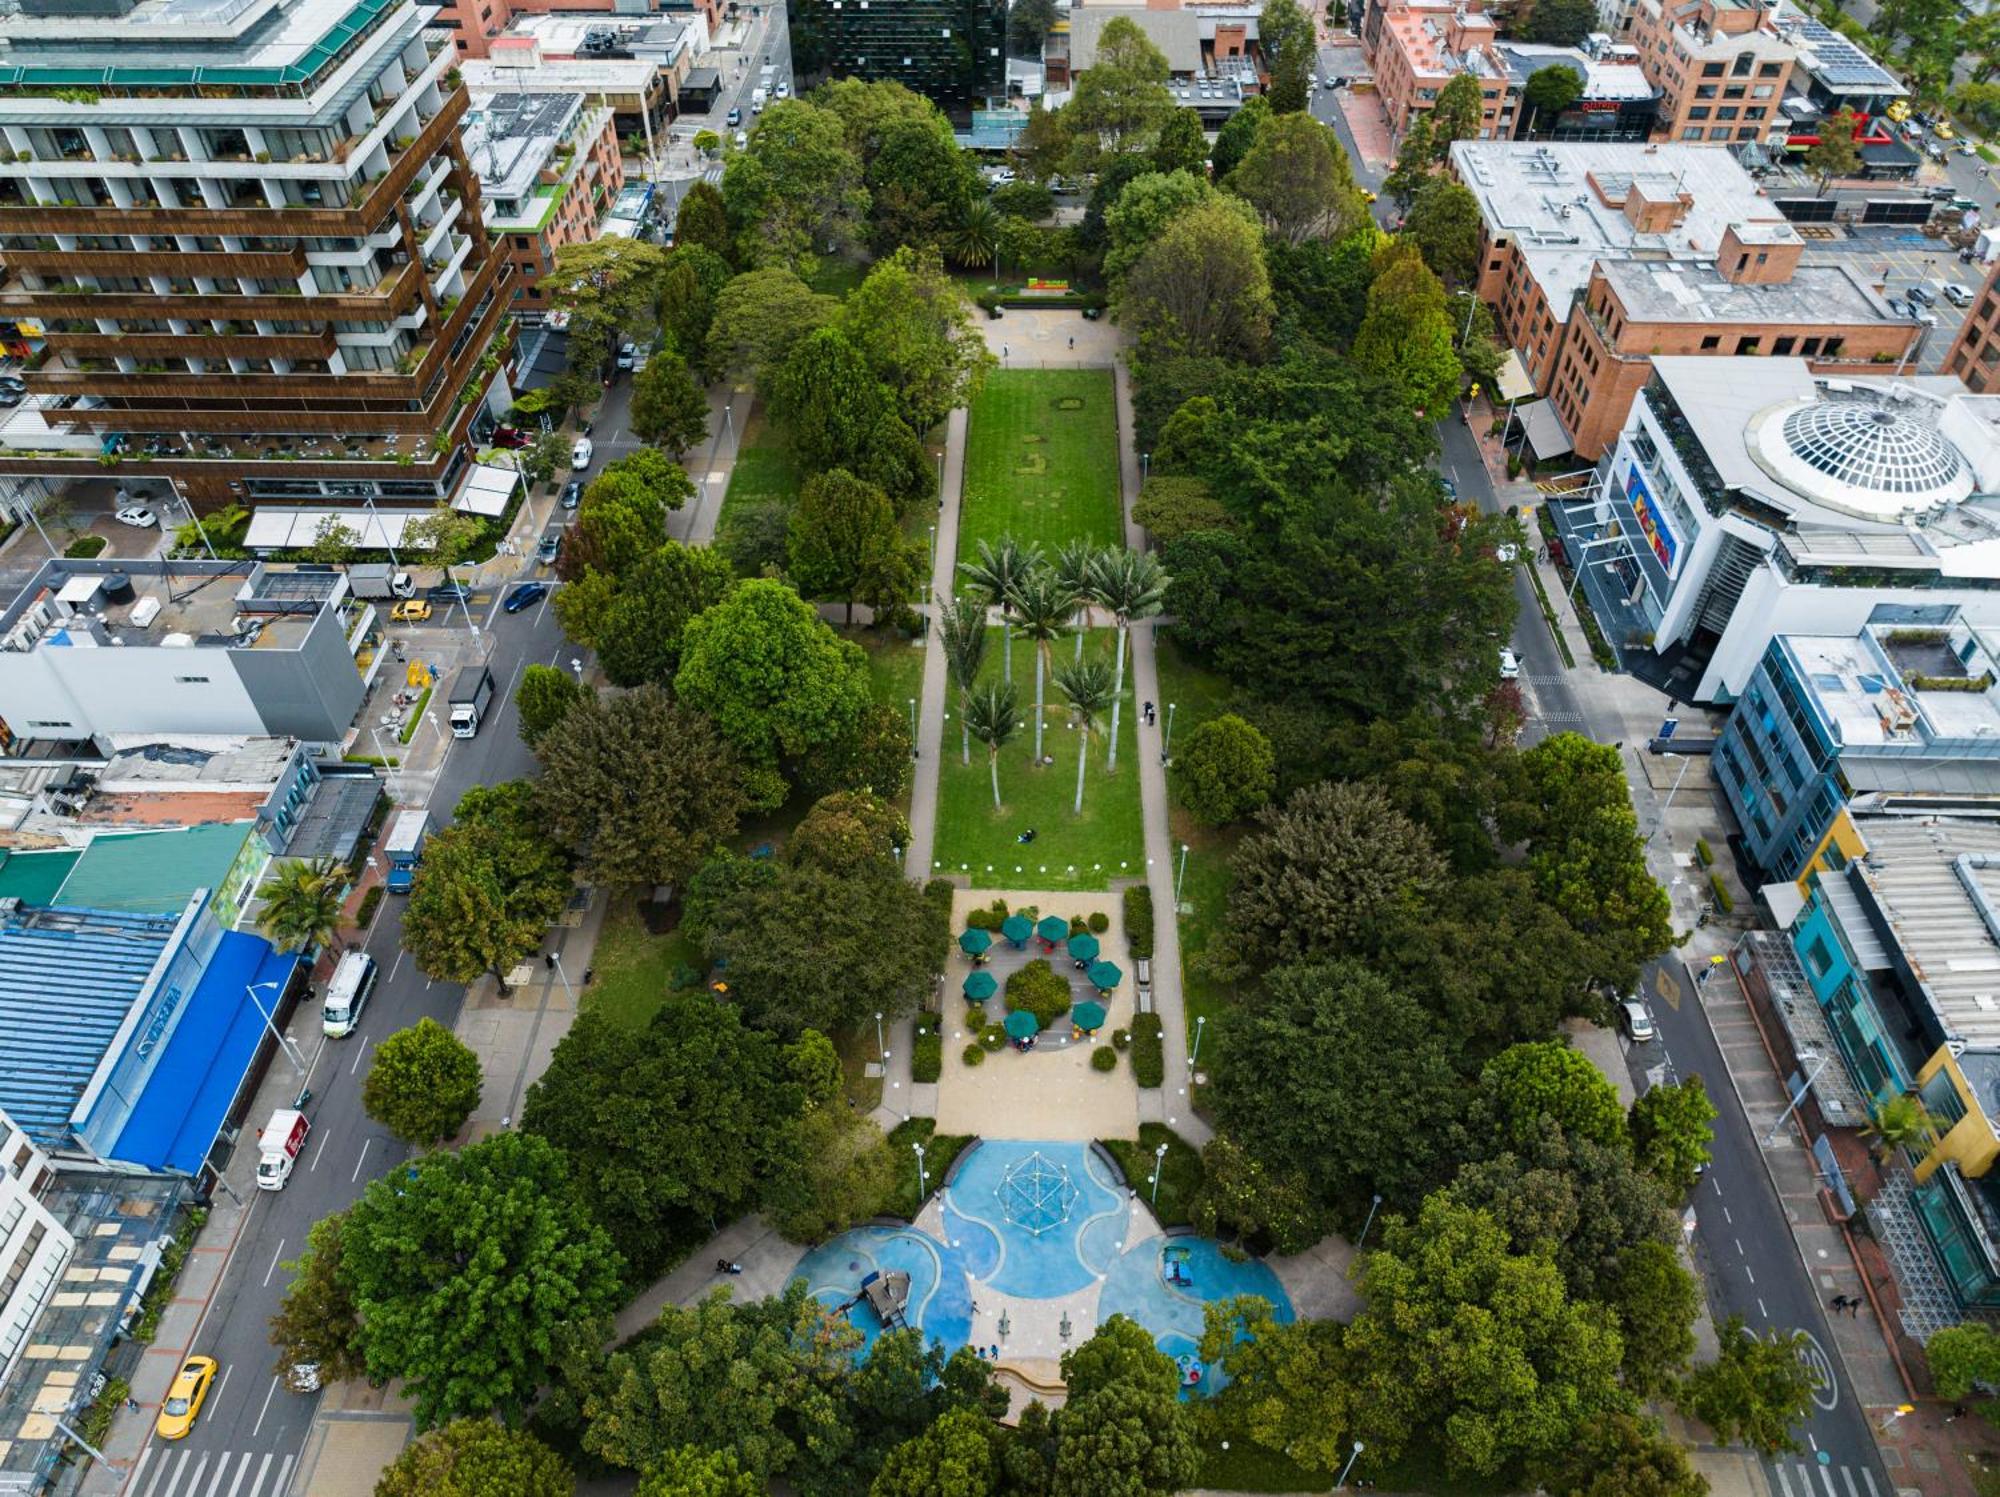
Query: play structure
pixel 888 1295
pixel 1174 1267
pixel 1037 1194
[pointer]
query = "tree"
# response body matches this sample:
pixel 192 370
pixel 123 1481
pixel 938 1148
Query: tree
pixel 973 239
pixel 543 699
pixel 1323 871
pixel 1141 214
pixel 994 576
pixel 1657 1301
pixel 778 682
pixel 796 186
pixel 702 220
pixel 668 1130
pixel 1028 22
pixel 1242 1196
pixel 1226 771
pixel 316 1325
pixel 1835 154
pixel 1561 23
pixel 1963 1357
pixel 1089 689
pixel 1901 1124
pixel 1405 337
pixel 1310 1071
pixel 1415 162
pixel 1041 607
pixel 961 627
pixel 477 1458
pixel 841 1171
pixel 1181 147
pixel 300 906
pixel 759 317
pixel 1532 1086
pixel 842 530
pixel 1120 102
pixel 643 623
pixel 1233 140
pixel 333 543
pixel 953 1457
pixel 1170 506
pixel 993 717
pixel 1456 114
pixel 489 887
pixel 463 1268
pixel 1445 225
pixel 1623 1455
pixel 913 324
pixel 1670 1132
pixel 829 399
pixel 1755 1391
pixel 1474 336
pixel 668 407
pixel 874 755
pixel 920 183
pixel 694 278
pixel 1075 566
pixel 1474 1346
pixel 1043 145
pixel 1123 1431
pixel 541 458
pixel 1549 91
pixel 1291 51
pixel 423 1084
pixel 1132 585
pixel 689 1471
pixel 849 829
pixel 1297 177
pixel 611 290
pixel 1202 288
pixel 638 788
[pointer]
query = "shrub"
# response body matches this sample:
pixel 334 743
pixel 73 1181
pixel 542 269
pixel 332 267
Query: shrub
pixel 981 920
pixel 365 911
pixel 1078 925
pixel 1702 853
pixel 1139 920
pixel 927 1053
pixel 1039 989
pixel 1724 901
pixel 84 547
pixel 1149 1056
pixel 1121 1039
pixel 1103 1058
pixel 975 1017
pixel 1099 922
pixel 993 1036
pixel 999 909
pixel 973 1056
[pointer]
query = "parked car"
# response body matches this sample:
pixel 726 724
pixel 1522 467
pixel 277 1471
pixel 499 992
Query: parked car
pixel 1958 295
pixel 735 118
pixel 525 595
pixel 410 611
pixel 1635 1021
pixel 1944 192
pixel 784 90
pixel 447 593
pixel 511 436
pixel 185 1396
pixel 1922 295
pixel 580 453
pixel 628 355
pixel 1943 131
pixel 572 494
pixel 550 546
pixel 1510 664
pixel 138 516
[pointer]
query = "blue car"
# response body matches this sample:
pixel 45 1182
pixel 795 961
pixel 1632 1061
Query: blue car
pixel 525 595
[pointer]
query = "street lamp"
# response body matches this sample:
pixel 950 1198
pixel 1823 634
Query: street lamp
pixel 1351 1459
pixel 923 1184
pixel 1200 1023
pixel 284 1040
pixel 1373 1207
pixel 1167 742
pixel 881 1048
pixel 915 752
pixel 556 966
pixel 1805 1089
pixel 1667 804
pixel 1180 878
pixel 1159 1168
pixel 1145 466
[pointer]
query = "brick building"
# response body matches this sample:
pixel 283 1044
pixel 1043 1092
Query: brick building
pixel 1974 355
pixel 1720 68
pixel 548 165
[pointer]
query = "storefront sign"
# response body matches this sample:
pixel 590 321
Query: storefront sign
pixel 1652 524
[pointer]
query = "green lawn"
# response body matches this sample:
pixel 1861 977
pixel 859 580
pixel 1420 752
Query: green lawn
pixel 1180 1181
pixel 632 968
pixel 940 1150
pixel 764 470
pixel 1038 468
pixel 1069 851
pixel 1247 1467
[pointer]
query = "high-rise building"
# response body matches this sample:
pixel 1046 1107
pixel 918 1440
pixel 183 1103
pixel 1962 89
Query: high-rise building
pixel 954 52
pixel 245 244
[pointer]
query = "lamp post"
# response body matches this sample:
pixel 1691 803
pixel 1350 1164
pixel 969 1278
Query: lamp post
pixel 556 966
pixel 1159 1168
pixel 1805 1088
pixel 1145 466
pixel 1373 1207
pixel 1200 1023
pixel 940 480
pixel 934 530
pixel 915 752
pixel 1180 878
pixel 1667 804
pixel 923 1184
pixel 1167 742
pixel 1353 1456
pixel 881 1048
pixel 284 1041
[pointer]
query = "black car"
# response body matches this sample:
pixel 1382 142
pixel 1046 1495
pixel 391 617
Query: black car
pixel 572 494
pixel 450 592
pixel 525 595
pixel 1923 296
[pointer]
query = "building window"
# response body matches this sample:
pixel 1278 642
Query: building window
pixel 1782 348
pixel 1817 958
pixel 191 680
pixel 1699 112
pixel 1747 346
pixel 1833 347
pixel 1711 70
pixel 1771 70
pixel 1808 348
pixel 1712 342
pixel 1692 132
pixel 1727 112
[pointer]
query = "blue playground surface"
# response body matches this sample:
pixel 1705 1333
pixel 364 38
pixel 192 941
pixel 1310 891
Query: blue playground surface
pixel 1037 1221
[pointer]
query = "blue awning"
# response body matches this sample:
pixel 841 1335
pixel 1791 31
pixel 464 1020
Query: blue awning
pixel 178 1115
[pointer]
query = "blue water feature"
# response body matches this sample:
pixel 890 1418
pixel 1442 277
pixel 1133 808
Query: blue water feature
pixel 1037 1220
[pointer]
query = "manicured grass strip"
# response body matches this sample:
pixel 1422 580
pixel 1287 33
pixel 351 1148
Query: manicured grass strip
pixel 764 471
pixel 1041 460
pixel 632 969
pixel 1180 1180
pixel 940 1149
pixel 1069 851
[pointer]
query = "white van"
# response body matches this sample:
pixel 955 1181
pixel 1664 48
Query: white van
pixel 347 994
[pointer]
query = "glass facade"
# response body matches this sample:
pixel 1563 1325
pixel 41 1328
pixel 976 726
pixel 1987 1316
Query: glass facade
pixel 954 52
pixel 1779 767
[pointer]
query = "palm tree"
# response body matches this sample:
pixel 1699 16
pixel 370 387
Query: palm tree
pixel 1076 564
pixel 994 719
pixel 1132 585
pixel 302 904
pixel 1042 607
pixel 962 631
pixel 975 238
pixel 1901 1121
pixel 995 575
pixel 1088 688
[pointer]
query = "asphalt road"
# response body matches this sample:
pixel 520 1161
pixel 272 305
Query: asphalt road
pixel 250 1417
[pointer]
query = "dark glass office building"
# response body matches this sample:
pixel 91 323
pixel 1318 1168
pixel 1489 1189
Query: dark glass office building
pixel 954 52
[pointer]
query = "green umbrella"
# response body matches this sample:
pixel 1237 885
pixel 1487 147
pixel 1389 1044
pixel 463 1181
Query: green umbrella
pixel 1053 929
pixel 981 985
pixel 1104 976
pixel 1017 928
pixel 1087 1016
pixel 1083 948
pixel 975 941
pixel 1022 1025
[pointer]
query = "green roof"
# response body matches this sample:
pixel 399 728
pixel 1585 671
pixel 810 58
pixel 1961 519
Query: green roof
pixel 154 872
pixel 34 877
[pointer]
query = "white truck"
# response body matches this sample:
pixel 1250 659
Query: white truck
pixel 279 1147
pixel 379 582
pixel 757 97
pixel 471 691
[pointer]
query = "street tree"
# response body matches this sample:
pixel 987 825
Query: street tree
pixel 611 290
pixel 541 458
pixel 702 220
pixel 1456 114
pixel 694 278
pixel 1756 1392
pixel 843 531
pixel 1286 1391
pixel 638 788
pixel 953 1457
pixel 333 543
pixel 465 1265
pixel 1656 1301
pixel 1087 685
pixel 490 884
pixel 423 1084
pixel 1131 585
pixel 1405 336
pixel 961 627
pixel 444 536
pixel 1445 225
pixel 690 1471
pixel 1671 1133
pixel 1623 1455
pixel 994 575
pixel 1202 289
pixel 994 719
pixel 1561 23
pixel 1530 1087
pixel 1835 153
pixel 300 906
pixel 1225 771
pixel 849 829
pixel 795 187
pixel 1043 146
pixel 1041 607
pixel 1549 92
pixel 1297 177
pixel 477 1458
pixel 1144 209
pixel 1182 146
pixel 1286 35
pixel 913 324
pixel 316 1324
pixel 639 631
pixel 759 317
pixel 1120 102
pixel 919 184
pixel 1963 1357
pixel 668 407
pixel 1416 161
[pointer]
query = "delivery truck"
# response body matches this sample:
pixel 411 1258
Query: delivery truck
pixel 380 583
pixel 471 692
pixel 404 848
pixel 279 1147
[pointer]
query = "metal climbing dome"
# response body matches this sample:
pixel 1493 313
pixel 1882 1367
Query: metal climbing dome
pixel 1037 1194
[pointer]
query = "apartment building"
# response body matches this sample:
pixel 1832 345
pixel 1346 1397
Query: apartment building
pixel 251 246
pixel 548 166
pixel 1974 355
pixel 1599 257
pixel 1720 67
pixel 34 1244
pixel 1420 47
pixel 637 91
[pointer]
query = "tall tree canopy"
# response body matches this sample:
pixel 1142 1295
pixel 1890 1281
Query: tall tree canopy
pixel 796 188
pixel 912 323
pixel 1296 175
pixel 1202 288
pixel 490 885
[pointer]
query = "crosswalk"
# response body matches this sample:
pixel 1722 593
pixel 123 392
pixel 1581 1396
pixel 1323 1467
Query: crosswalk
pixel 1799 1478
pixel 209 1473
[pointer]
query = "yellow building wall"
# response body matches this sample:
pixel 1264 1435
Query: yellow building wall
pixel 1969 1141
pixel 1841 845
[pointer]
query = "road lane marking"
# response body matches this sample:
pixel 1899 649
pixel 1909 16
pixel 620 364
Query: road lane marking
pixel 397 965
pixel 139 1470
pixel 1784 1481
pixel 221 1471
pixel 1739 1246
pixel 1868 1479
pixel 269 1394
pixel 1760 1308
pixel 1752 1276
pixel 1826 1475
pixel 241 1472
pixel 275 1256
pixel 258 1485
pixel 221 1386
pixel 319 1150
pixel 359 1051
pixel 1847 1475
pixel 360 1161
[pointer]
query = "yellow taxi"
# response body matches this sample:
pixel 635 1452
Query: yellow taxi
pixel 1367 196
pixel 1943 131
pixel 184 1398
pixel 410 611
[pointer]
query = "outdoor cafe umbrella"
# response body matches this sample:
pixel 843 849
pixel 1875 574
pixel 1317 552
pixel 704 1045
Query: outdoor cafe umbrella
pixel 979 986
pixel 975 941
pixel 1087 1017
pixel 1017 928
pixel 1053 929
pixel 1104 976
pixel 1083 948
pixel 1022 1025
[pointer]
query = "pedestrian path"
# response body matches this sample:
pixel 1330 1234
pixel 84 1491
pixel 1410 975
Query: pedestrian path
pixel 163 1472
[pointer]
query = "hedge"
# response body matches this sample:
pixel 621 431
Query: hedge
pixel 1139 920
pixel 1099 922
pixel 940 1150
pixel 927 1053
pixel 1702 852
pixel 1724 901
pixel 973 1056
pixel 84 547
pixel 1180 1181
pixel 365 911
pixel 1149 1058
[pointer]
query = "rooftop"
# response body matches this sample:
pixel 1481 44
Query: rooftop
pixel 563 75
pixel 1177 33
pixel 1834 60
pixel 1422 35
pixel 180 604
pixel 1601 80
pixel 1879 689
pixel 1695 291
pixel 1937 884
pixel 510 137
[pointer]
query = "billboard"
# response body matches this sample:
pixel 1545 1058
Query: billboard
pixel 1652 524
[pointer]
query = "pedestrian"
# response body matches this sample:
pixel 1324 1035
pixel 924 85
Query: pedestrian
pixel 1837 1303
pixel 1957 1412
pixel 132 1404
pixel 549 960
pixel 1072 342
pixel 588 973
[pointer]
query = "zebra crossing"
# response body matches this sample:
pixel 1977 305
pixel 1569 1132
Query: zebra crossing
pixel 162 1472
pixel 1800 1478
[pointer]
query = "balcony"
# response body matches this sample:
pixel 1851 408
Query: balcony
pixel 205 345
pixel 385 300
pixel 284 264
